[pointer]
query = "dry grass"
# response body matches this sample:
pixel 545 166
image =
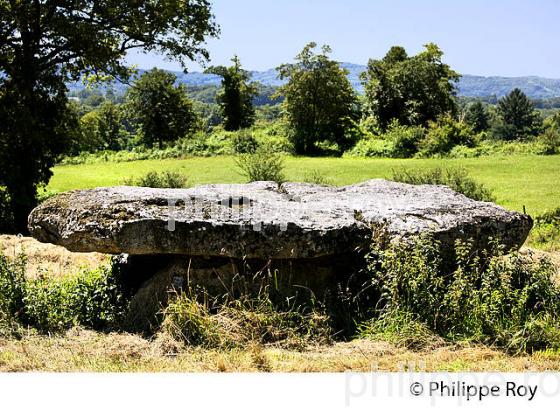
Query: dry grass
pixel 88 351
pixel 47 258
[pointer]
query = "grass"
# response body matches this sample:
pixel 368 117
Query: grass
pixel 84 350
pixel 516 181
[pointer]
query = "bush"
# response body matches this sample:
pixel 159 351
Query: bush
pixel 550 139
pixel 91 298
pixel 398 141
pixel 164 179
pixel 12 286
pixel 456 179
pixel 445 134
pixel 244 143
pixel 491 297
pixel 372 147
pixel 261 166
pixel 546 231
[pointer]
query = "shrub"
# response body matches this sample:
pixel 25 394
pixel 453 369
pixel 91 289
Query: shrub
pixel 550 139
pixel 244 143
pixel 164 179
pixel 405 139
pixel 398 141
pixel 12 286
pixel 457 179
pixel 372 147
pixel 91 298
pixel 546 231
pixel 261 166
pixel 491 297
pixel 445 134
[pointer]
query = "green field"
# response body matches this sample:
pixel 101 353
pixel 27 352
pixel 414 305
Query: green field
pixel 517 181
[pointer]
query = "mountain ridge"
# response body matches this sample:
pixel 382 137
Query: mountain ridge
pixel 469 85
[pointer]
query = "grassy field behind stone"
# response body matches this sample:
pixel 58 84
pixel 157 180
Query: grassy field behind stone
pixel 517 181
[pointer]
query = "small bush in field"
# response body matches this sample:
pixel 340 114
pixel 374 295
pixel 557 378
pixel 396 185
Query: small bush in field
pixel 164 179
pixel 261 166
pixel 457 179
pixel 316 177
pixel 243 142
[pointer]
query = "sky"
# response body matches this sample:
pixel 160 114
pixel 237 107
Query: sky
pixel 492 37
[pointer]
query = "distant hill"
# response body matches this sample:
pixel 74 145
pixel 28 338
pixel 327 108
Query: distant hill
pixel 469 85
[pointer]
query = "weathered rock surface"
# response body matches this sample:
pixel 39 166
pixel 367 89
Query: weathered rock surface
pixel 262 220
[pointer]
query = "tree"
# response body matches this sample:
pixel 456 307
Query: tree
pixel 319 101
pixel 45 43
pixel 413 90
pixel 236 96
pixel 477 117
pixel 518 115
pixel 101 129
pixel 162 109
pixel 110 125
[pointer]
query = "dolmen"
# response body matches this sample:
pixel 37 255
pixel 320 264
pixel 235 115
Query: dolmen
pixel 311 236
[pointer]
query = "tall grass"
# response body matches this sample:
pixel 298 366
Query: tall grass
pixel 242 321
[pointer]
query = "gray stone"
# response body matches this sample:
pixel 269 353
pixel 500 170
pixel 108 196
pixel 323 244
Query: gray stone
pixel 262 220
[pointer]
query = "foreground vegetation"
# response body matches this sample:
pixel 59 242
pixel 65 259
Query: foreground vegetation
pixel 78 321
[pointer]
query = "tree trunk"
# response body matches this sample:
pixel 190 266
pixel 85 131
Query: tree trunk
pixel 23 200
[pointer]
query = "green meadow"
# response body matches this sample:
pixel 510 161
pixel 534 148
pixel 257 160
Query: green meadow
pixel 517 181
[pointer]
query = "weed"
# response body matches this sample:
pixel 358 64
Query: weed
pixel 316 177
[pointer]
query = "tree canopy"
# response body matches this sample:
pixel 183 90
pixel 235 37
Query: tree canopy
pixel 413 90
pixel 162 109
pixel 44 43
pixel 320 103
pixel 477 117
pixel 236 96
pixel 518 114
